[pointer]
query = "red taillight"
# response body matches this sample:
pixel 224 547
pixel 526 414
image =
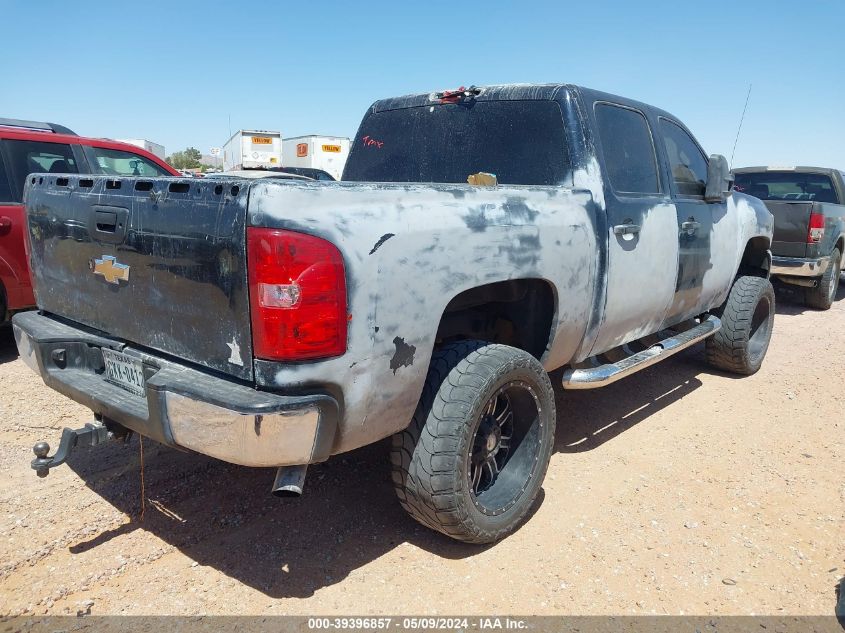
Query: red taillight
pixel 816 231
pixel 297 295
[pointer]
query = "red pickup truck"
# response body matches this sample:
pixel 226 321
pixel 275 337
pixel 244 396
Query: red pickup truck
pixel 28 147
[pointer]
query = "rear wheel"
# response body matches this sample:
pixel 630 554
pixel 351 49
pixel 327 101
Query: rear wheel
pixel 747 319
pixel 823 295
pixel 471 463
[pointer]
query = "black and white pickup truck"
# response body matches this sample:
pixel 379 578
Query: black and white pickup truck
pixel 808 204
pixel 276 323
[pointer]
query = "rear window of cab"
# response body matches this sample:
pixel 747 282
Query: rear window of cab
pixel 521 142
pixel 787 186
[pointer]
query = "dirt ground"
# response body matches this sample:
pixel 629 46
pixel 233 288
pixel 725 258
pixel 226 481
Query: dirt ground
pixel 676 491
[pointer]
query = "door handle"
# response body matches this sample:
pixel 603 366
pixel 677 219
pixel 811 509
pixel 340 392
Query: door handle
pixel 5 225
pixel 627 229
pixel 690 226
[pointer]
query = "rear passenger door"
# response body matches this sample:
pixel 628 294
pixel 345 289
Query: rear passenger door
pixel 642 253
pixel 707 235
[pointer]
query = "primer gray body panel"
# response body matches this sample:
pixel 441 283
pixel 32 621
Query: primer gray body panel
pixel 443 240
pixel 411 248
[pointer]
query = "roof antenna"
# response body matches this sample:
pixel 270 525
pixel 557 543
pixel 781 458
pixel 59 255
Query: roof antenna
pixel 741 119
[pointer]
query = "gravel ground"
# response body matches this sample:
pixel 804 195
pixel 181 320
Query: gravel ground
pixel 676 491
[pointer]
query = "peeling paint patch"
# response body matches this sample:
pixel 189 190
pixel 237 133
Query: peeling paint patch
pixel 235 356
pixel 404 356
pixel 381 241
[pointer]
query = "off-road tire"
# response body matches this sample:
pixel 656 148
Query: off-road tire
pixel 431 458
pixel 747 317
pixel 823 295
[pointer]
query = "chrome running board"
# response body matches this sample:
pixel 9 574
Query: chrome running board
pixel 601 375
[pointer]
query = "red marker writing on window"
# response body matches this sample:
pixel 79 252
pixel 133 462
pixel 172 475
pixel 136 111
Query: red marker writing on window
pixel 369 142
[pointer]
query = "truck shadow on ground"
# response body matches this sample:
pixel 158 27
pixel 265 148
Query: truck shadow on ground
pixel 790 299
pixel 589 418
pixel 223 516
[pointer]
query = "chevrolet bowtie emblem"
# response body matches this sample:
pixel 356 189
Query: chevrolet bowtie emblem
pixel 108 267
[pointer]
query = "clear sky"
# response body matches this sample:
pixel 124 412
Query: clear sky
pixel 175 72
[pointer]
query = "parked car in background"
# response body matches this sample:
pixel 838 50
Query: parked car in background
pixel 286 320
pixel 310 172
pixel 256 173
pixel 808 204
pixel 30 146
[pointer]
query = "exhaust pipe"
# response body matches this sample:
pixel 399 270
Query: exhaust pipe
pixel 289 481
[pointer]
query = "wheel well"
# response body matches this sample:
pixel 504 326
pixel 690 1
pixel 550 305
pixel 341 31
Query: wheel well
pixel 756 259
pixel 840 244
pixel 518 312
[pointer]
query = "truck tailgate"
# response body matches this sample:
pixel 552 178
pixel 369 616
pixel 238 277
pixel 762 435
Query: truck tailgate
pixel 160 263
pixel 792 220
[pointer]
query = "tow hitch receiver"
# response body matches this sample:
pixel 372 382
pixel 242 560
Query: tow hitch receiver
pixel 91 434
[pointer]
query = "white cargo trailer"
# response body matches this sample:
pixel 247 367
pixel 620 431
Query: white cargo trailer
pixel 253 149
pixel 152 148
pixel 328 153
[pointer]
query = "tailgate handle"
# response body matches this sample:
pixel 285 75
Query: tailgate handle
pixel 106 221
pixel 108 224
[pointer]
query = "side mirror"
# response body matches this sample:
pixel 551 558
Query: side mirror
pixel 719 179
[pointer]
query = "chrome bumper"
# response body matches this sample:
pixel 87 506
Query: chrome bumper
pixel 273 439
pixel 800 267
pixel 182 406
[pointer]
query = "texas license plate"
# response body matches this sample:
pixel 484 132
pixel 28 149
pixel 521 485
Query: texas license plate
pixel 124 371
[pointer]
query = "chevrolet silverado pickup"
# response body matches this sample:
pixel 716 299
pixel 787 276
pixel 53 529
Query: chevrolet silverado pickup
pixel 274 323
pixel 808 246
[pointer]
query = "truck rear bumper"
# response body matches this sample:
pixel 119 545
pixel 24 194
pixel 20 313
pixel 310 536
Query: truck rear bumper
pixel 182 406
pixel 800 267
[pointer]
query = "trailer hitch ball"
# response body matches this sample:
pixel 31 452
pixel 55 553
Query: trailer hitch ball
pixel 41 450
pixel 92 434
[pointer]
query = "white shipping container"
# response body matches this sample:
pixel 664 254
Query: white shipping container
pixel 328 153
pixel 253 149
pixel 152 148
